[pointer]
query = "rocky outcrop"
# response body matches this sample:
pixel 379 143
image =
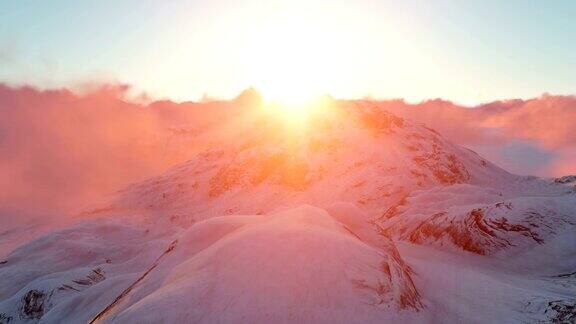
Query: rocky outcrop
pixel 32 304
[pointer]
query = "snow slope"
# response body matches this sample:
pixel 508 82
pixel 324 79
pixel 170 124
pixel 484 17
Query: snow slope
pixel 295 265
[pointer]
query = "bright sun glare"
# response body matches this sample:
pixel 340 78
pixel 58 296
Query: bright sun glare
pixel 292 64
pixel 293 112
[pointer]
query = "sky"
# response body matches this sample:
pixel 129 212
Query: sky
pixel 465 51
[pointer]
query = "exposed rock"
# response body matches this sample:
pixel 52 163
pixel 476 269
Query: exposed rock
pixel 32 304
pixel 5 318
pixel 562 311
pixel 566 179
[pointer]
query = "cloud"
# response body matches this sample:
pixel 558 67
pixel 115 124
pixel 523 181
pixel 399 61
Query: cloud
pixel 548 120
pixel 532 136
pixel 564 164
pixel 60 149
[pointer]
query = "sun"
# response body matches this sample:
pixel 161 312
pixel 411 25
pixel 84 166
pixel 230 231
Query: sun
pixel 291 98
pixel 289 93
pixel 296 63
pixel 293 112
pixel 291 77
pixel 292 65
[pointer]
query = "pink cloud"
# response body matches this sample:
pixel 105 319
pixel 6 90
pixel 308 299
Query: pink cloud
pixel 544 124
pixel 548 120
pixel 60 149
pixel 564 164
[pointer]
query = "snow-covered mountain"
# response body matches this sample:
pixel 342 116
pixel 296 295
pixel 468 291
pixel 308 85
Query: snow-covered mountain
pixel 350 215
pixel 354 152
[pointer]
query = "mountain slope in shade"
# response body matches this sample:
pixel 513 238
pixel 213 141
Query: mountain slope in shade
pixel 300 222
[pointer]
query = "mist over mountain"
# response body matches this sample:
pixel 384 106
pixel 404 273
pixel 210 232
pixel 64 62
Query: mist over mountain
pixel 87 144
pixel 229 211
